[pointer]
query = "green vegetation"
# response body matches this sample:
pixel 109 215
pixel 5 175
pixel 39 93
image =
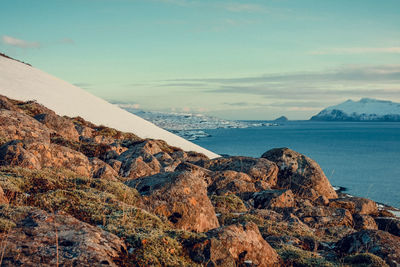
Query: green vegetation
pixel 300 258
pixel 364 260
pixel 113 206
pixel 228 203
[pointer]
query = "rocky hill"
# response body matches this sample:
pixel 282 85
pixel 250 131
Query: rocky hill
pixel 366 109
pixel 73 193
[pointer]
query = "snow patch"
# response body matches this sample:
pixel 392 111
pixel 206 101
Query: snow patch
pixel 21 82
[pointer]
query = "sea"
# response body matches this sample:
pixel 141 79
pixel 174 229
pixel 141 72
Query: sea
pixel 362 157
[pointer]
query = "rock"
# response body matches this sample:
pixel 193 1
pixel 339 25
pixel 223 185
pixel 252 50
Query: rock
pixel 42 239
pixel 391 225
pixel 271 199
pixel 300 174
pixel 136 164
pixel 358 205
pixel 57 156
pixel 258 169
pixel 3 197
pixel 6 103
pixel 234 245
pixel 364 222
pixel 321 201
pixel 231 181
pixel 180 196
pixel 14 153
pixel 62 126
pixel 18 126
pixel 318 217
pixel 100 169
pixel 377 242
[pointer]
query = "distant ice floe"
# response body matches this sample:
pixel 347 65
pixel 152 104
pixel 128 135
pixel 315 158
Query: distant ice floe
pixel 191 126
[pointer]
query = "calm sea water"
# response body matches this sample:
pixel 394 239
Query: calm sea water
pixel 362 157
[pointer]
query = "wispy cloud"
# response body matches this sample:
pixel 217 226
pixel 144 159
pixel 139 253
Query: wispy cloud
pixel 67 41
pixel 357 50
pixel 344 82
pixel 12 41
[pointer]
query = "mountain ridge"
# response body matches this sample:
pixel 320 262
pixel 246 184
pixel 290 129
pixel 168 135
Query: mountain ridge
pixel 366 109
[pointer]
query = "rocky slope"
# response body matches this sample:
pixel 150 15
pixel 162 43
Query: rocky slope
pixel 366 109
pixel 77 194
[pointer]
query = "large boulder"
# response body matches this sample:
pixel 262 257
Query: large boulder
pixel 36 238
pixel 377 242
pixel 180 196
pixel 300 174
pixel 234 245
pixel 258 169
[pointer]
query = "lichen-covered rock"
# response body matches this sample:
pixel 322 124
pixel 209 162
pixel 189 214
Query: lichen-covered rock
pixel 320 216
pixel 377 242
pixel 234 182
pixel 100 169
pixel 257 168
pixel 234 245
pixel 15 125
pixel 37 238
pixel 358 205
pixel 300 174
pixel 60 125
pixel 391 225
pixel 270 199
pixel 136 163
pixel 180 196
pixel 15 153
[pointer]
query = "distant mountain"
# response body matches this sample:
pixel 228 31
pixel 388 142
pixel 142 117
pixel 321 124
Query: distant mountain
pixel 367 109
pixel 281 119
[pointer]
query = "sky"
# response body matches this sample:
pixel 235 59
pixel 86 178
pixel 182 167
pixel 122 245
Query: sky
pixel 232 59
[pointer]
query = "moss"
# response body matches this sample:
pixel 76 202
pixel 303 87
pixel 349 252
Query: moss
pixel 115 134
pixel 364 260
pixel 6 225
pixel 296 257
pixel 30 108
pixel 228 203
pixel 88 148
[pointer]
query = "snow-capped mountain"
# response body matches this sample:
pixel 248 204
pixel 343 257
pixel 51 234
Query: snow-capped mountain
pixel 23 82
pixel 367 109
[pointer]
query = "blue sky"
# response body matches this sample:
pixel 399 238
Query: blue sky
pixel 233 59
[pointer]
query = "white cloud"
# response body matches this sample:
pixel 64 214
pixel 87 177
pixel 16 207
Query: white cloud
pixel 357 50
pixel 8 40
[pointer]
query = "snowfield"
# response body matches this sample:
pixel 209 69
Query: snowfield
pixel 22 82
